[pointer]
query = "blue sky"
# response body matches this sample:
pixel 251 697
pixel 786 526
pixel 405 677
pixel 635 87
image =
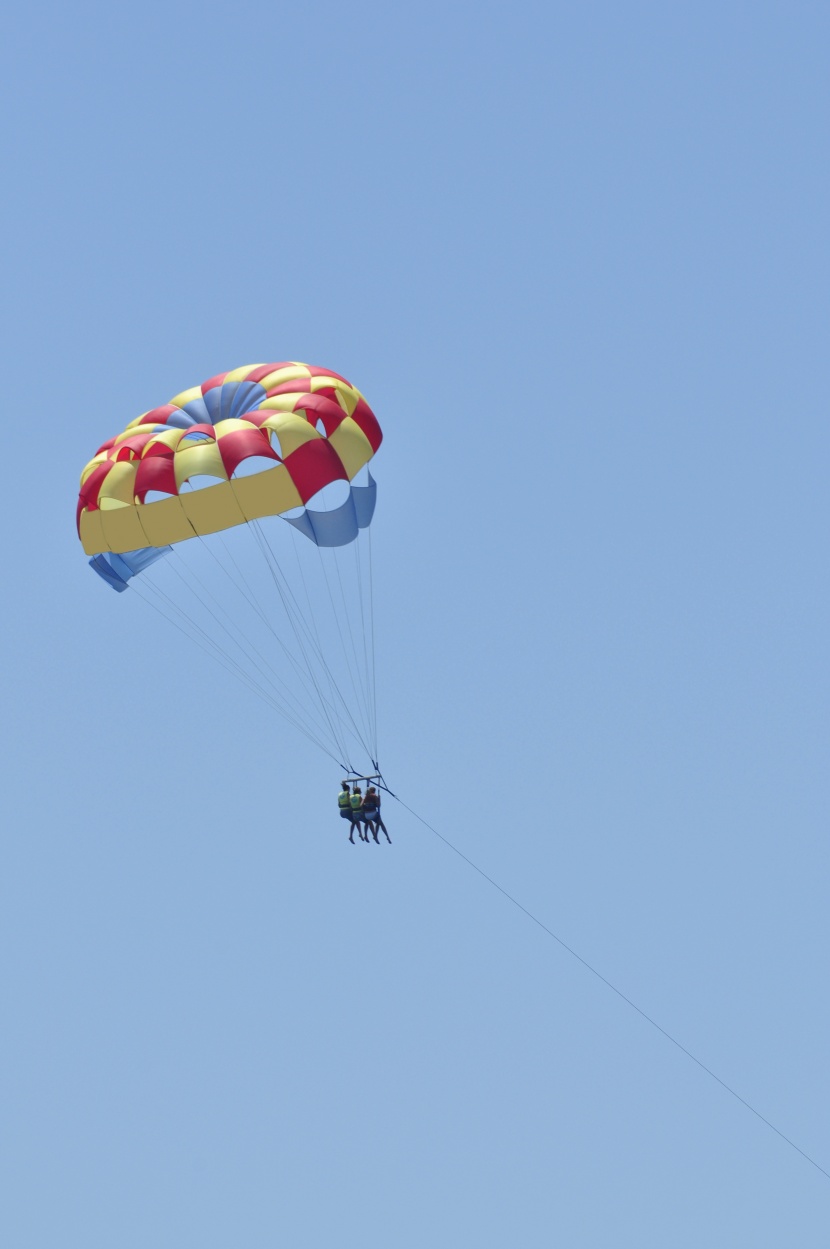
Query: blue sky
pixel 576 258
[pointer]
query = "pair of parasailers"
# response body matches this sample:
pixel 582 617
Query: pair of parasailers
pixel 362 813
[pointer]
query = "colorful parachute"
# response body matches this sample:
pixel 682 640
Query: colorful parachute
pixel 259 442
pixel 312 423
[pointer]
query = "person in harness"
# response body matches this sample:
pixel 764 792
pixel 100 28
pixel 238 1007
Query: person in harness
pixel 371 814
pixel 344 802
pixel 358 821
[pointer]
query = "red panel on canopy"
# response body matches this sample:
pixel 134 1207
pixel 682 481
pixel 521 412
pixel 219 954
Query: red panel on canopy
pixel 300 386
pixel 366 419
pixel 155 472
pixel 318 372
pixel 92 486
pixel 213 381
pixel 241 444
pixel 313 465
pixel 326 410
pixel 257 374
pixel 159 416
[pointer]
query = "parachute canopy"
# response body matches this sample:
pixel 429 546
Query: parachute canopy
pixel 298 427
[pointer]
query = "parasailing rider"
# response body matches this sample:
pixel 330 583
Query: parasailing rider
pixel 371 813
pixel 356 802
pixel 344 802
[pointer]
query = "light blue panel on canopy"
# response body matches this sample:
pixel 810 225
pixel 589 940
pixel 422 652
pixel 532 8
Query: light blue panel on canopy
pixel 117 569
pixel 181 420
pixel 213 404
pixel 220 402
pixel 198 412
pixel 247 396
pixel 342 524
pixel 365 498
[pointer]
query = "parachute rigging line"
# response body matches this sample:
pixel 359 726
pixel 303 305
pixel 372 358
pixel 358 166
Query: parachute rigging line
pixel 284 592
pixel 353 664
pixel 311 615
pixel 608 984
pixel 256 654
pixel 336 618
pixel 372 640
pixel 372 728
pixel 334 720
pixel 183 574
pixel 302 630
pixel 209 646
pixel 252 600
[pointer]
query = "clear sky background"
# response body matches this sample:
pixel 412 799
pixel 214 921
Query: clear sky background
pixel 576 257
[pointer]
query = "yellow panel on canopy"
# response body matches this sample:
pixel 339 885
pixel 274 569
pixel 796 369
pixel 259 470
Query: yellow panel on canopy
pixel 291 430
pixel 119 483
pixel 198 459
pixel 266 494
pixel 165 522
pixel 212 509
pixel 289 373
pixel 92 532
pixel 187 396
pixel 121 526
pixel 352 446
pixel 239 375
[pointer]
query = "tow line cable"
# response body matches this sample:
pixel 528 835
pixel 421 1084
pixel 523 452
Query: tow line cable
pixel 569 949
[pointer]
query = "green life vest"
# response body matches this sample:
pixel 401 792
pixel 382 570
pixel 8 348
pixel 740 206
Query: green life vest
pixel 356 802
pixel 344 799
